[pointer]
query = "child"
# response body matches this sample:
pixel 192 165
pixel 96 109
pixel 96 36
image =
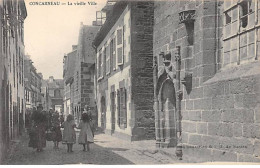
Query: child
pixel 69 135
pixel 86 134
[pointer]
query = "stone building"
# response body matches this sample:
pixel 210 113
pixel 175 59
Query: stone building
pixel 56 92
pixel 33 84
pixel 46 99
pixel 83 75
pixel 68 78
pixel 124 71
pixel 206 79
pixel 12 14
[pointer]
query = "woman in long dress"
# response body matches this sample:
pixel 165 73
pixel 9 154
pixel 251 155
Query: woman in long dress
pixel 39 125
pixel 86 134
pixel 69 134
pixel 55 123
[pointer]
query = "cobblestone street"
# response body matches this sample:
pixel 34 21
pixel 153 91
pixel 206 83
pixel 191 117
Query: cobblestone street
pixel 106 150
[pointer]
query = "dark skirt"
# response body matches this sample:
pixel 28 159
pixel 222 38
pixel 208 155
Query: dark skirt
pixel 57 135
pixel 37 137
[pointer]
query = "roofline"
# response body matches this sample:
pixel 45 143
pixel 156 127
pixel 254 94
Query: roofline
pixel 117 10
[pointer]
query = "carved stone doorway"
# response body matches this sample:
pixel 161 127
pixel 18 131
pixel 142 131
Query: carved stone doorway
pixel 167 114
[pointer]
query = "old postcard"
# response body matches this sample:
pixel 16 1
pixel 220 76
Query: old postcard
pixel 129 82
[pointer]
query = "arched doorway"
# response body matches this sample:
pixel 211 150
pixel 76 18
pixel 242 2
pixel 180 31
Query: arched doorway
pixel 103 113
pixel 167 115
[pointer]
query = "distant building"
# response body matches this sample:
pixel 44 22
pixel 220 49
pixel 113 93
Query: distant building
pixel 68 78
pixel 56 92
pixel 124 91
pixel 12 103
pixel 33 84
pixel 46 100
pixel 83 75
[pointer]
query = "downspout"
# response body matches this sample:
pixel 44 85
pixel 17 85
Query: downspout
pixel 178 102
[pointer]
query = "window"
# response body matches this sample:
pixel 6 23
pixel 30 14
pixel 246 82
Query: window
pixel 122 110
pixel 104 62
pixel 239 32
pixel 247 8
pixel 120 51
pixel 100 65
pixel 124 40
pixel 108 59
pixel 113 50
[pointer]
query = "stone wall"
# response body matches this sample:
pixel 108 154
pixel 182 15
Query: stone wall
pixel 142 17
pixel 220 115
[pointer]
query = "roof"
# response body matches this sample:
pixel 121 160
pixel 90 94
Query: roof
pixel 117 10
pixel 57 83
pixel 71 59
pixel 23 8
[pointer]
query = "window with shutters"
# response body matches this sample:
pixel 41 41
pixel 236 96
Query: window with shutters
pixel 113 109
pixel 120 47
pixel 240 31
pixel 124 41
pixel 99 65
pixel 107 59
pixel 121 106
pixel 104 63
pixel 113 53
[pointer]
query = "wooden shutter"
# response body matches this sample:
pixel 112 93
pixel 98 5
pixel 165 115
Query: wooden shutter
pixel 111 55
pixel 120 51
pixel 119 36
pixel 111 106
pixel 104 62
pixel 124 109
pixel 108 59
pixel 118 107
pixel 114 53
pixel 100 64
pixel 120 55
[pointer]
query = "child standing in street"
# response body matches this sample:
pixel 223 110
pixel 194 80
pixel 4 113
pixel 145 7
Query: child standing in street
pixel 86 134
pixel 69 134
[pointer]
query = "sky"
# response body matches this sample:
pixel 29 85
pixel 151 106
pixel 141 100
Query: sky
pixel 50 31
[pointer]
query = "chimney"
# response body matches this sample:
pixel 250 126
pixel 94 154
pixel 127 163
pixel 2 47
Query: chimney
pixel 74 47
pixel 51 79
pixel 40 74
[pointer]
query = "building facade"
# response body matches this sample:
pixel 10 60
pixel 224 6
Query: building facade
pixel 83 82
pixel 68 78
pixel 12 14
pixel 124 91
pixel 33 85
pixel 206 79
pixel 46 100
pixel 56 92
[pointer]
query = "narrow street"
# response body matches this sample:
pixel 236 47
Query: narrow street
pixel 106 150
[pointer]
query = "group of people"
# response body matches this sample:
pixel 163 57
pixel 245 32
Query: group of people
pixel 45 124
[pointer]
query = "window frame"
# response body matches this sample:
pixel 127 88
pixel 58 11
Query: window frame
pixel 122 107
pixel 108 63
pixel 120 45
pixel 100 65
pixel 241 32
